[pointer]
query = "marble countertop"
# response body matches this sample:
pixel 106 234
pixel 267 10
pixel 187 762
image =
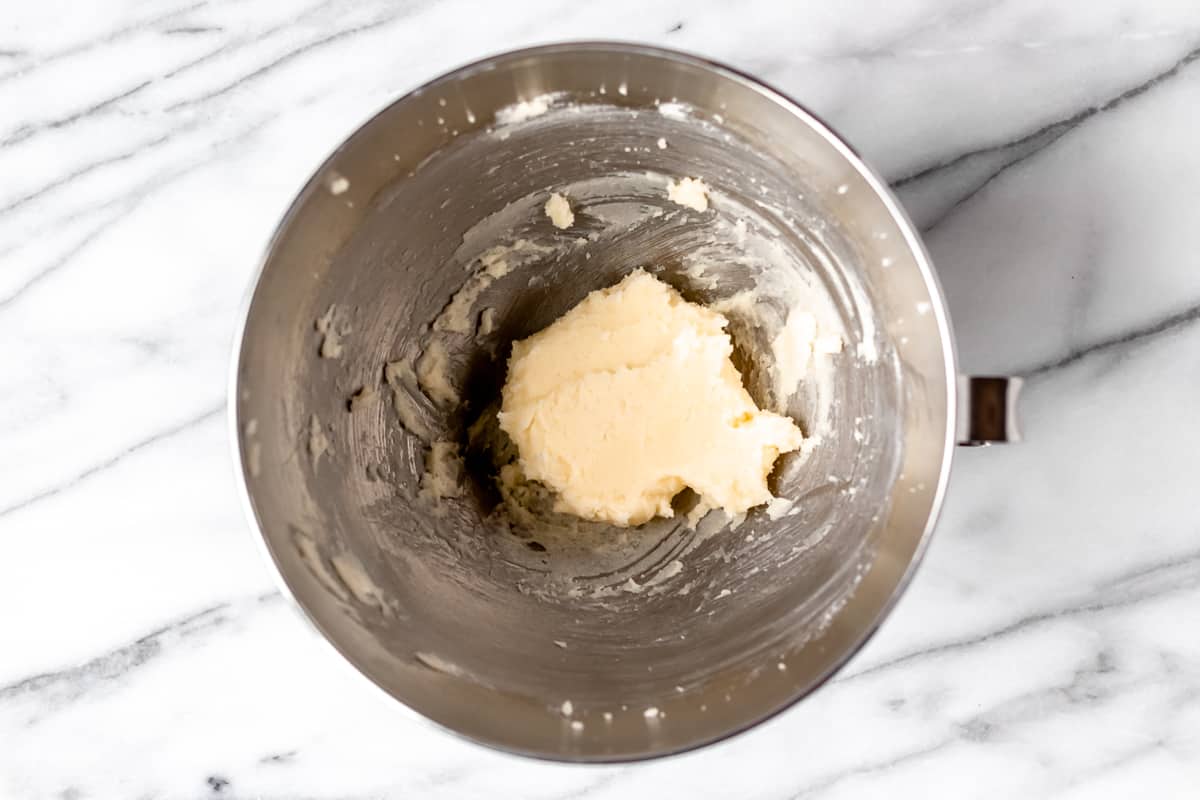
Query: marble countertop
pixel 1048 646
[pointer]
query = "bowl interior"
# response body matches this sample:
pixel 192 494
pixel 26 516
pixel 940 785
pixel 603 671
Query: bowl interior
pixel 375 348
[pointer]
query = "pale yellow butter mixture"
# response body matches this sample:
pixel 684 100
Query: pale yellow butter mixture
pixel 629 398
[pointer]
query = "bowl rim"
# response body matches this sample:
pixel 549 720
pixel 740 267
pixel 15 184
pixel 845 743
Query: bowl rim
pixel 874 180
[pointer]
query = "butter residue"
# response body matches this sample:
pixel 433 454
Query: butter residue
pixel 525 109
pixel 689 192
pixel 487 323
pixel 361 399
pixel 630 397
pixel 433 374
pixel 338 184
pixel 559 211
pixel 675 110
pixel 779 507
pixel 443 472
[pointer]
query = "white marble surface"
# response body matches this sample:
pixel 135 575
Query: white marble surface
pixel 1050 644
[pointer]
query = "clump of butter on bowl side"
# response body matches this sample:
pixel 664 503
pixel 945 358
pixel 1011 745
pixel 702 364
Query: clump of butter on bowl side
pixel 630 397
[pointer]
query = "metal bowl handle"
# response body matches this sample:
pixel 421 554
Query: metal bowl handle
pixel 987 410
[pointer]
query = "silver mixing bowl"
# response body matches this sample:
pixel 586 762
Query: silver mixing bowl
pixel 579 641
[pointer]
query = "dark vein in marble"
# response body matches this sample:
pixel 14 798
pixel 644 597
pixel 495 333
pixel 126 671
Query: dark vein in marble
pixel 64 259
pixel 1110 601
pixel 1152 570
pixel 1091 686
pixel 115 663
pixel 132 199
pixel 287 57
pixel 959 15
pixel 192 30
pixel 85 170
pixel 1120 761
pixel 278 758
pixel 61 687
pixel 871 768
pixel 26 131
pixel 1094 683
pixel 238 43
pixel 1097 681
pixel 33 129
pixel 1159 327
pixel 109 463
pixel 141 149
pixel 1029 145
pixel 223 49
pixel 611 776
pixel 112 36
pixel 1061 125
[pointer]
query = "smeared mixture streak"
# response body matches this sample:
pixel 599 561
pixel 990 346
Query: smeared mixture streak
pixel 629 398
pixel 331 337
pixel 318 442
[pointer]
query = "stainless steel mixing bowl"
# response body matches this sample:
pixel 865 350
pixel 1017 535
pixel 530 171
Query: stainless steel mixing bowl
pixel 540 636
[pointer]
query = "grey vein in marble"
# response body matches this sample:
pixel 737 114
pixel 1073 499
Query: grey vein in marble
pixel 108 463
pixel 990 162
pixel 53 691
